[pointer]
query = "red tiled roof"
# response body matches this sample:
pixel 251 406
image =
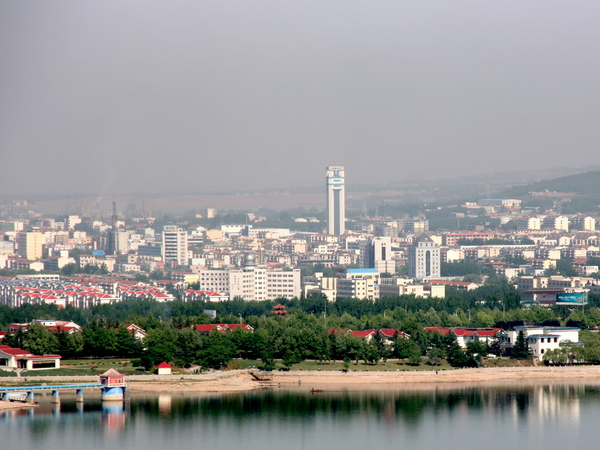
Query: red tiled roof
pixel 363 334
pixel 206 327
pixel 390 332
pixel 233 326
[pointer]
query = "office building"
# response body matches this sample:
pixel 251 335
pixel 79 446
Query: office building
pixel 424 259
pixel 174 245
pixel 380 255
pixel 336 200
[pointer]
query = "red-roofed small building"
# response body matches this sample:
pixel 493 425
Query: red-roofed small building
pixel 465 335
pixel 389 334
pixel 138 332
pixel 15 358
pixel 223 327
pixel 367 335
pixel 204 296
pixel 163 369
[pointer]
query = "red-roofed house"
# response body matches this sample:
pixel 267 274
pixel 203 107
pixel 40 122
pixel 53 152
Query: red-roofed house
pixel 204 296
pixel 138 332
pixel 367 335
pixel 163 369
pixel 15 358
pixel 222 327
pixel 55 326
pixel 466 335
pixel 388 335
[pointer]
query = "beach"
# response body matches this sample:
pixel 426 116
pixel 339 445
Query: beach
pixel 4 405
pixel 242 380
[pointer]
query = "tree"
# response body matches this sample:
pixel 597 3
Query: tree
pixel 435 356
pixel 408 349
pixel 457 357
pixel 70 269
pixel 39 340
pixel 475 351
pixel 161 346
pixel 521 348
pixel 125 342
pixel 189 345
pixel 70 344
pixel 217 350
pixel 16 340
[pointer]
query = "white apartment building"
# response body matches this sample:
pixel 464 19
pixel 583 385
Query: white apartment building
pixel 252 282
pixel 529 223
pixel 556 223
pixel 358 283
pixel 583 223
pixel 174 245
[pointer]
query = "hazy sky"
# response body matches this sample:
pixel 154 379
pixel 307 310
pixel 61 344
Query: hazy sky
pixel 135 96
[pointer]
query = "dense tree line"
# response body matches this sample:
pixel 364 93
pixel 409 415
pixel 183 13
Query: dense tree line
pixel 95 340
pixel 300 335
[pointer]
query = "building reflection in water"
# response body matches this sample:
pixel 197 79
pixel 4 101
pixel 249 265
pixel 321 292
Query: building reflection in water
pixel 165 404
pixel 531 405
pixel 113 416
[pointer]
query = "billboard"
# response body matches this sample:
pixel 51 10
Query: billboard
pixel 572 298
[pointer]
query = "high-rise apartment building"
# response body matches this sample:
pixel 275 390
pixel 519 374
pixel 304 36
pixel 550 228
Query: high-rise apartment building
pixel 336 200
pixel 174 245
pixel 30 244
pixel 252 282
pixel 424 259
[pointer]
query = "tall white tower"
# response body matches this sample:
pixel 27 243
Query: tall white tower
pixel 336 200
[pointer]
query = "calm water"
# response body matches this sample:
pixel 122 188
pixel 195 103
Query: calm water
pixel 535 417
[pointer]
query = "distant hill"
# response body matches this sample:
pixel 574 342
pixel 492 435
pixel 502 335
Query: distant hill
pixel 587 183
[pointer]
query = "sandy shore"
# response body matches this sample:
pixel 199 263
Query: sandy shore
pixel 243 381
pixel 15 405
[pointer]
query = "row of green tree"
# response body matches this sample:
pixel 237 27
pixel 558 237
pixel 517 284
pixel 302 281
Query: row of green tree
pixel 94 340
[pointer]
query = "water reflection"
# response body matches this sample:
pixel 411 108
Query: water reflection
pixel 543 403
pixel 539 406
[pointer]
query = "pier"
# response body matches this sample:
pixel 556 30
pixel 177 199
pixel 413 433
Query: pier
pixel 112 384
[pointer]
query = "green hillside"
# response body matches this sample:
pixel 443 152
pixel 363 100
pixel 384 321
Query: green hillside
pixel 587 183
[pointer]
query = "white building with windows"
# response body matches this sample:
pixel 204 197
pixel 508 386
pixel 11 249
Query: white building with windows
pixel 252 282
pixel 540 339
pixel 174 245
pixel 424 259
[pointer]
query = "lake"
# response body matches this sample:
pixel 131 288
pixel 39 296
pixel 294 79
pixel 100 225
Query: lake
pixel 531 417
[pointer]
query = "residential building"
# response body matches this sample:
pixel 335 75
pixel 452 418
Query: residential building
pixel 540 339
pixel 30 245
pixel 583 223
pixel 174 245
